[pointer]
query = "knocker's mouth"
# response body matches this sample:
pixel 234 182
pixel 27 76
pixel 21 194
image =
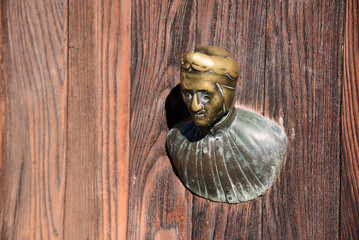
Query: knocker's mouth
pixel 199 114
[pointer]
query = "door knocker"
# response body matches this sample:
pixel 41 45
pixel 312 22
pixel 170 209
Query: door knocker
pixel 223 153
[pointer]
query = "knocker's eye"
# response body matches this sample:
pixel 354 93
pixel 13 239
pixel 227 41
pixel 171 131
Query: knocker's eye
pixel 188 96
pixel 204 95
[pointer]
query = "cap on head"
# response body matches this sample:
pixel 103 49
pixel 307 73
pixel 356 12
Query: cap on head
pixel 211 60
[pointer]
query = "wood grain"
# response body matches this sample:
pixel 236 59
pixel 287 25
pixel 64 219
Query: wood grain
pixel 349 227
pixel 83 213
pixel 302 78
pixel 33 137
pixel 239 27
pixel 98 120
pixel 83 88
pixel 114 48
pixel 159 205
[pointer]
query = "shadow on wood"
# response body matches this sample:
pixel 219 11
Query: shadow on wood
pixel 176 109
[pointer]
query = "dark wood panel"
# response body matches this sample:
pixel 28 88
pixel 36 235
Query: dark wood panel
pixel 349 224
pixel 222 221
pixel 302 79
pixel 159 205
pixel 98 120
pixel 33 133
pixel 239 27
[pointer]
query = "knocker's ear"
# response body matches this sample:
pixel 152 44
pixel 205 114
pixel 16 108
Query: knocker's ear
pixel 219 89
pixel 229 97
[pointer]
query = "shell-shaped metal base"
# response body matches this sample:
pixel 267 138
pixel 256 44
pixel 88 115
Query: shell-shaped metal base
pixel 237 161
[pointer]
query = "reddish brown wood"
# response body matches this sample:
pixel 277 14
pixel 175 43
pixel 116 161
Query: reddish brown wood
pixel 4 75
pixel 349 221
pixel 33 125
pixel 159 205
pixel 303 75
pixel 122 119
pixel 239 27
pixel 113 46
pixel 82 149
pixel 84 217
pixel 98 118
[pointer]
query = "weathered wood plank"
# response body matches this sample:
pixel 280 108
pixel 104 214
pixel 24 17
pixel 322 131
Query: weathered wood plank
pixel 239 27
pixel 84 193
pixel 114 46
pixel 349 227
pixel 159 206
pixel 302 79
pixel 50 122
pixel 98 120
pixel 33 62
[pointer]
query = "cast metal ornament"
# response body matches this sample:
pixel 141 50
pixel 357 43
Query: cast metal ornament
pixel 223 153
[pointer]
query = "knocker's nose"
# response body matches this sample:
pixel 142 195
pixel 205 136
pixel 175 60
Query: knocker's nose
pixel 194 105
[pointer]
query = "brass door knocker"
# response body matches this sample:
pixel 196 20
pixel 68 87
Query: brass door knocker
pixel 222 153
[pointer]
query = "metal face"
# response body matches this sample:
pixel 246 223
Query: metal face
pixel 204 99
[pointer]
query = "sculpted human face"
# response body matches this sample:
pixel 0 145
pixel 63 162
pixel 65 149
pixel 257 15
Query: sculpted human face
pixel 204 101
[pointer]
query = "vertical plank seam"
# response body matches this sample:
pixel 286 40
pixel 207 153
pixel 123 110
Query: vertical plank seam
pixel 129 119
pixel 342 22
pixel 129 29
pixel 195 7
pixel 264 95
pixel 265 57
pixel 67 114
pixel 341 80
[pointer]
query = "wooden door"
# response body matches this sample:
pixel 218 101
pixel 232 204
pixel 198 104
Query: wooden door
pixel 83 120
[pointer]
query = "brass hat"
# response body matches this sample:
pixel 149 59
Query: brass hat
pixel 211 58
